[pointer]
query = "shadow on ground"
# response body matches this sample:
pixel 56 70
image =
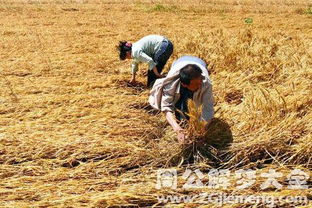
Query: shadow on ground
pixel 137 87
pixel 210 149
pixel 144 106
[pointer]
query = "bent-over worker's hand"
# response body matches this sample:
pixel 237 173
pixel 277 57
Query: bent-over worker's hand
pixel 132 81
pixel 144 73
pixel 182 136
pixel 157 73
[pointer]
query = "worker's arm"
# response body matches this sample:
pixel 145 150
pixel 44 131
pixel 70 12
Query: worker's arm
pixel 135 64
pixel 167 106
pixel 151 64
pixel 176 127
pixel 134 69
pixel 143 57
pixel 133 78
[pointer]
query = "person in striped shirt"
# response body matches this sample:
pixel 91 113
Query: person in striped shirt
pixel 155 50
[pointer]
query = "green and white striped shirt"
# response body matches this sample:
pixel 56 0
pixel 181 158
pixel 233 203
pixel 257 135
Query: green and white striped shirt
pixel 144 50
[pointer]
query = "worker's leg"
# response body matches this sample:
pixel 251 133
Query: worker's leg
pixel 151 78
pixel 161 57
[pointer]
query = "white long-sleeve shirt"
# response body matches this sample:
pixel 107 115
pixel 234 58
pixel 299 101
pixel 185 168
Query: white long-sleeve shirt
pixel 166 91
pixel 144 50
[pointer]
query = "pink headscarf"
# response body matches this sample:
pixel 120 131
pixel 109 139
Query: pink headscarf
pixel 128 44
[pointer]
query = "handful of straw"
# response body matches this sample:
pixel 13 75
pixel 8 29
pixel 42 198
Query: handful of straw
pixel 197 127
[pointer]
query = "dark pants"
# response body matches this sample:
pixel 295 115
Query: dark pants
pixel 181 105
pixel 160 58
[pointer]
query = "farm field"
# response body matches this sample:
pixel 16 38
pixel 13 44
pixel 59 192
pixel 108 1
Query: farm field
pixel 75 133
